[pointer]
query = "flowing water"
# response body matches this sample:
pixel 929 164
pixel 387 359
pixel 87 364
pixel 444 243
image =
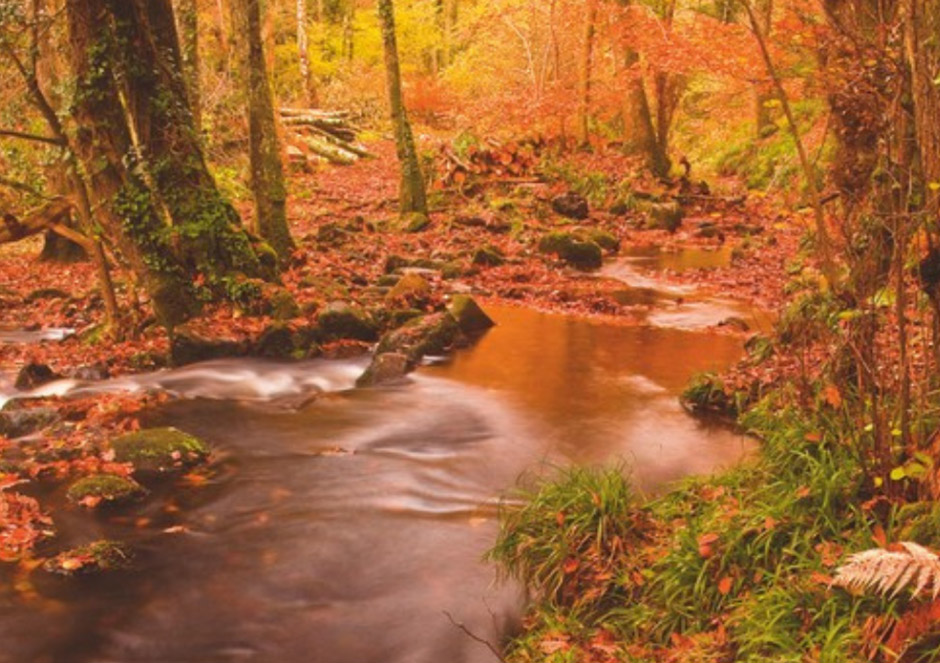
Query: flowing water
pixel 347 525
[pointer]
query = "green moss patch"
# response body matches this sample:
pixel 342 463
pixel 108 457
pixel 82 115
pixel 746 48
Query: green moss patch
pixel 159 450
pixel 93 558
pixel 97 489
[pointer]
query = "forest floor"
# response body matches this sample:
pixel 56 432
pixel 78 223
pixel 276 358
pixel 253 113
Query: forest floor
pixel 482 240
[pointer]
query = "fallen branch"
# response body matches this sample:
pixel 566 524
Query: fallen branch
pixel 13 229
pixel 333 153
pixel 49 140
pixel 474 636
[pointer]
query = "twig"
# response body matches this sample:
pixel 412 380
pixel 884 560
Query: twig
pixel 9 133
pixel 473 636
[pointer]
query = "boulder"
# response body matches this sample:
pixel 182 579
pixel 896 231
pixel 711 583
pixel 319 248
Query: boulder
pixel 488 256
pixel 275 342
pixel 105 489
pixel 159 450
pixel 571 205
pixel 666 216
pixel 34 375
pixel 188 347
pixel 574 251
pixel 607 241
pixel 385 368
pixel 469 316
pixel 433 334
pixel 283 305
pixel 341 320
pixel 411 289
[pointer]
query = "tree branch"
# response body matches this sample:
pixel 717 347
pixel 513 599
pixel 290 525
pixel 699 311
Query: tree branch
pixel 50 140
pixel 474 636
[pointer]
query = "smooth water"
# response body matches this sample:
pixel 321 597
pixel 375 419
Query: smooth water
pixel 348 525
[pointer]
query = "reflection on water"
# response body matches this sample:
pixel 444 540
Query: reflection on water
pixel 656 258
pixel 344 526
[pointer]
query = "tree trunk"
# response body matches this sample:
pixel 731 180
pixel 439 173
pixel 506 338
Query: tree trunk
pixel 412 194
pixel 208 228
pixel 584 81
pixel 639 133
pixel 303 53
pixel 267 178
pixel 188 17
pixel 923 56
pixel 55 248
pixel 763 93
pixel 125 207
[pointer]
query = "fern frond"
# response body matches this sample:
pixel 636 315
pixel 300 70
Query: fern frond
pixel 887 572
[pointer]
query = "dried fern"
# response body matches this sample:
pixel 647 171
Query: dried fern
pixel 887 572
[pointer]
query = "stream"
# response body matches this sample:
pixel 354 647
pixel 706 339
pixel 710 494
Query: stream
pixel 347 525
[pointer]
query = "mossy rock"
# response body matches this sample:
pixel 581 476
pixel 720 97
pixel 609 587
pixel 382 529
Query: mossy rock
pixel 159 450
pixel 452 270
pixel 607 241
pixel 395 318
pixel 666 216
pixel 97 557
pixel 327 288
pixel 411 289
pixel 340 320
pixel 488 256
pixel 555 242
pixel 188 347
pixel 415 222
pixel 385 368
pixel 388 280
pixel 433 334
pixel 469 316
pixel 283 305
pixel 582 255
pixel 275 342
pixel 571 205
pixel 105 489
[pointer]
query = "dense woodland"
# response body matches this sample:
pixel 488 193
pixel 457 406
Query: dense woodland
pixel 189 179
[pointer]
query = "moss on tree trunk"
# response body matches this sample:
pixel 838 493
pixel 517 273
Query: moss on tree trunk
pixel 412 194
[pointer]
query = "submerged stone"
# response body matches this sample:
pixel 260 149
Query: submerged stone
pixel 105 489
pixel 97 557
pixel 159 450
pixel 19 422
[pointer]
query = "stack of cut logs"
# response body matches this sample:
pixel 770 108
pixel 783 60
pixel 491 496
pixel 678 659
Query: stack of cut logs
pixel 508 162
pixel 318 134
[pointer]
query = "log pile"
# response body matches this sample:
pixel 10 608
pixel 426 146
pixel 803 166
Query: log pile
pixel 507 162
pixel 321 135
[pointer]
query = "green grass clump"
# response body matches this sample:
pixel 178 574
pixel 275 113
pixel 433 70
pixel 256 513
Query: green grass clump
pixel 563 536
pixel 730 567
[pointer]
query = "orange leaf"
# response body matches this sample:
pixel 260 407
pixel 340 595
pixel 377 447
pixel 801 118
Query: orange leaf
pixel 832 396
pixel 724 585
pixel 571 565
